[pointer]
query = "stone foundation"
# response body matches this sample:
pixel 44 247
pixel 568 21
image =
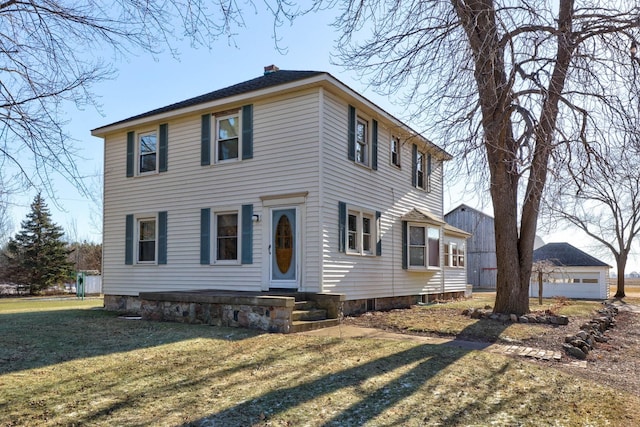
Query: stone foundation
pixel 270 313
pixel 262 317
pixel 122 304
pixel 262 311
pixel 355 307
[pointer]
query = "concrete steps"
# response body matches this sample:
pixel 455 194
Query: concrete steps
pixel 306 316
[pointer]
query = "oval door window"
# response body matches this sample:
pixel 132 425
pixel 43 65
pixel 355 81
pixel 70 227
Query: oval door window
pixel 284 244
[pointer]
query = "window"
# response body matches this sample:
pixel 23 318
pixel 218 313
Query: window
pixel 146 240
pixel 227 137
pixel 395 151
pixel 362 137
pixel 147 150
pixel 362 234
pixel 362 146
pixel 461 256
pixel 353 232
pixel 420 171
pixel 424 246
pixel 226 229
pixel 421 174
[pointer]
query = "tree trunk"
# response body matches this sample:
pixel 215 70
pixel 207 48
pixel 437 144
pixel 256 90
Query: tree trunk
pixel 540 290
pixel 514 247
pixel 621 263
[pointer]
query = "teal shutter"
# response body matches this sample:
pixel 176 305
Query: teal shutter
pixel 162 237
pixel 205 236
pixel 128 240
pixel 342 226
pixel 404 245
pixel 352 133
pixel 378 234
pixel 205 140
pixel 162 147
pixel 374 145
pixel 131 136
pixel 247 132
pixel 414 162
pixel 247 235
pixel 428 164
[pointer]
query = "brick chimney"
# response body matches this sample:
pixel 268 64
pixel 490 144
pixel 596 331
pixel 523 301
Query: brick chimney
pixel 270 69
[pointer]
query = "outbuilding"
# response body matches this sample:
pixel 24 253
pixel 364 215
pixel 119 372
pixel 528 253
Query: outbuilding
pixel 570 272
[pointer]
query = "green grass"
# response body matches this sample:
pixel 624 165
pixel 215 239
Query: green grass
pixel 88 367
pixel 16 305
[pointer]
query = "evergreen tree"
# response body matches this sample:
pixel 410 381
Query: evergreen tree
pixel 37 256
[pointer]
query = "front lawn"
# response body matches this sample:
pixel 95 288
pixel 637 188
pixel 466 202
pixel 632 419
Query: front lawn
pixel 84 366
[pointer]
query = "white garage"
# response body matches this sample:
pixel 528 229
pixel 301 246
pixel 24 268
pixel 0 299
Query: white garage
pixel 569 272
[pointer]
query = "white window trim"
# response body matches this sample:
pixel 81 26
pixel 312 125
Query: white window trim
pixel 360 214
pixel 138 220
pixel 214 235
pixel 138 151
pixel 426 266
pixel 216 119
pixel 398 152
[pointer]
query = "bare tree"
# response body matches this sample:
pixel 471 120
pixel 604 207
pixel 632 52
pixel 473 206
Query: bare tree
pixel 512 79
pixel 53 51
pixel 599 191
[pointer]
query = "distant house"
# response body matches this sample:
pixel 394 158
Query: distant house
pixel 288 181
pixel 571 273
pixel 481 246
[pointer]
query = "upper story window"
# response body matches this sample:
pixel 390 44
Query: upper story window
pixel 424 246
pixel 146 240
pixel 362 142
pixel 395 151
pixel 421 174
pixel 227 138
pixel 420 181
pixel 362 139
pixel 147 151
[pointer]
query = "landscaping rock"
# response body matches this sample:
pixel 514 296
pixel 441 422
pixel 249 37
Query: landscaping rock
pixel 574 351
pixel 582 342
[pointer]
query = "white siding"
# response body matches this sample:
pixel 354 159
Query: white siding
pixel 300 147
pixel 285 161
pixel 388 190
pixel 569 283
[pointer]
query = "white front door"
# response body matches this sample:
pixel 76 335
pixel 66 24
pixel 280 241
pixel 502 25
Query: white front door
pixel 284 248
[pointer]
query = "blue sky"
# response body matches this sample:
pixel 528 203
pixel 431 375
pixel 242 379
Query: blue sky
pixel 145 82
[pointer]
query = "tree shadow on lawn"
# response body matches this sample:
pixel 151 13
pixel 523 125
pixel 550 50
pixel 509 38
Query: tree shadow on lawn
pixel 429 361
pixel 38 339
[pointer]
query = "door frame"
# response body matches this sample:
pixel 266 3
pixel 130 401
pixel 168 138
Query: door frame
pixel 283 283
pixel 269 204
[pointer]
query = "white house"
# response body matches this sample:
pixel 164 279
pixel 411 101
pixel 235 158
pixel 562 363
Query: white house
pixel 569 272
pixel 287 181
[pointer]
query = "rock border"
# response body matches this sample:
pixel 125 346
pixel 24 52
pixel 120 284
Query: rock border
pixel 580 344
pixel 486 313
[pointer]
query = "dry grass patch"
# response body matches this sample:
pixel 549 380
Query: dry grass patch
pixel 445 319
pixel 87 367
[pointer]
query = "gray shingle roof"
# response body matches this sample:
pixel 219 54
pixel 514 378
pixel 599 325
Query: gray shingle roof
pixel 262 82
pixel 563 254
